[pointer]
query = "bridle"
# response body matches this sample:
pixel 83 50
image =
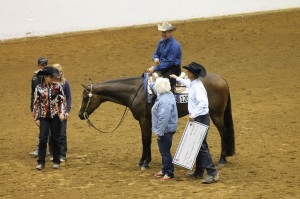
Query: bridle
pixel 85 114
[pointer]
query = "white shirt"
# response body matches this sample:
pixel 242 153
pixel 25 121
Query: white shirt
pixel 197 99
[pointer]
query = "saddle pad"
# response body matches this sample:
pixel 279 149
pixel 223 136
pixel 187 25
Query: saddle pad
pixel 180 98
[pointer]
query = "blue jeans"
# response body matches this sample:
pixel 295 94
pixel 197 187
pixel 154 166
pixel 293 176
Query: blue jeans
pixel 164 145
pixel 45 125
pixel 204 160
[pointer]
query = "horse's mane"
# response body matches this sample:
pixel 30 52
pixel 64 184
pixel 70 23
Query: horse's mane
pixel 120 80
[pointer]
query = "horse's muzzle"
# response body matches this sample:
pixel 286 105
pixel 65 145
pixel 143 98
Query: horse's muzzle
pixel 83 116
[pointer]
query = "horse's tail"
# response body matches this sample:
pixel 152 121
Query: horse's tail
pixel 229 129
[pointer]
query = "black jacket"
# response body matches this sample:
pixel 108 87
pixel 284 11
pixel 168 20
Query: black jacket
pixel 36 80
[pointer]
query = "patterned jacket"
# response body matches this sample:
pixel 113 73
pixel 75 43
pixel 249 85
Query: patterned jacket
pixel 49 101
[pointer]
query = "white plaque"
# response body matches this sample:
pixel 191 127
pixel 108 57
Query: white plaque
pixel 190 144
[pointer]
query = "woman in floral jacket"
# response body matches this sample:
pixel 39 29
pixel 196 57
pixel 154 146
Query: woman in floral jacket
pixel 48 112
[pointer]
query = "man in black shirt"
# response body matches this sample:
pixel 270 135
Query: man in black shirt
pixel 36 80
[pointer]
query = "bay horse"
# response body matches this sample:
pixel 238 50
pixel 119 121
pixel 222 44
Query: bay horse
pixel 129 92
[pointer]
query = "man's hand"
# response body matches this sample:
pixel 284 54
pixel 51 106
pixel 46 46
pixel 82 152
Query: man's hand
pixel 150 70
pixel 156 61
pixel 37 122
pixel 191 119
pixel 173 76
pixel 66 116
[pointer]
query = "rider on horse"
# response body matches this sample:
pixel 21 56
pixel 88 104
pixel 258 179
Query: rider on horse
pixel 168 55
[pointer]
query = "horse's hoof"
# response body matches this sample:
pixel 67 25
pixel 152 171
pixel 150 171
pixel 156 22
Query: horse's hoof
pixel 144 168
pixel 222 162
pixel 140 164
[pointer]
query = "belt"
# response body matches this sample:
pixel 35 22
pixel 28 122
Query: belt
pixel 170 68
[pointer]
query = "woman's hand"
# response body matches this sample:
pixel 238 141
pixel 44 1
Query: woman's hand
pixel 157 137
pixel 61 117
pixel 154 76
pixel 37 122
pixel 173 76
pixel 150 70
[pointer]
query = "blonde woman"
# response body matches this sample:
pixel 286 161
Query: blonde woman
pixel 63 131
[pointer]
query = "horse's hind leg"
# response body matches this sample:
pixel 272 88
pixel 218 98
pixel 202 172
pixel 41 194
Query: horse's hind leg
pixel 218 120
pixel 145 125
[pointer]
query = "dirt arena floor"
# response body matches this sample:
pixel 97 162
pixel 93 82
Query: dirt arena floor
pixel 257 54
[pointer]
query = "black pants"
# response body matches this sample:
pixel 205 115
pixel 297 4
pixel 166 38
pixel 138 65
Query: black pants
pixel 47 124
pixel 176 70
pixel 62 141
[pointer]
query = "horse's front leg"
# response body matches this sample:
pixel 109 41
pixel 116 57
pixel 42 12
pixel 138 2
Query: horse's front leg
pixel 145 125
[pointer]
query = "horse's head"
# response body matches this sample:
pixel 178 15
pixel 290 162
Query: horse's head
pixel 90 101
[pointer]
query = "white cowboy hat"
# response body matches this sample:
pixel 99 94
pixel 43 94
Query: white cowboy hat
pixel 165 26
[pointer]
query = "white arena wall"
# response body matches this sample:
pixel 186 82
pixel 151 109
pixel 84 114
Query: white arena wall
pixel 27 18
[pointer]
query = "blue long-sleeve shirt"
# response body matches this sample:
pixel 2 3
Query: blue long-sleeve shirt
pixel 164 114
pixel 67 91
pixel 169 54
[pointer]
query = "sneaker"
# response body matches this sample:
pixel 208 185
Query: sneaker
pixel 40 167
pixel 166 178
pixel 159 174
pixel 34 153
pixel 55 166
pixel 195 175
pixel 63 159
pixel 210 179
pixel 51 157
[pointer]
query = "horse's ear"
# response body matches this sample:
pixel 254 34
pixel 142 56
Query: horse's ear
pixel 84 86
pixel 90 81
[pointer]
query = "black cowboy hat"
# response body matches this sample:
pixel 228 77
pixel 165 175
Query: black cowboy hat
pixel 42 60
pixel 49 70
pixel 196 68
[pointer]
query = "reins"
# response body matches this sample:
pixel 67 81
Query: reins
pixel 122 119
